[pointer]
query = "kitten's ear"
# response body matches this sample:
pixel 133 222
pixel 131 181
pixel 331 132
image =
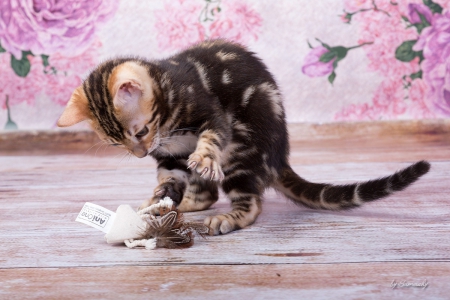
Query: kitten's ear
pixel 128 94
pixel 77 109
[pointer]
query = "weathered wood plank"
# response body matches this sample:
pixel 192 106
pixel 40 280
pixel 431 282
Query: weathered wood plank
pixel 307 281
pixel 319 142
pixel 46 200
pixel 45 254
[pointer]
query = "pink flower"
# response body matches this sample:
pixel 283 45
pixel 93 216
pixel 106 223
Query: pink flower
pixel 70 71
pixel 48 26
pixel 236 22
pixel 313 67
pixel 19 89
pixel 387 32
pixel 387 103
pixel 355 5
pixel 415 10
pixel 178 25
pixel 58 84
pixel 435 43
pixel 418 106
pixel 390 101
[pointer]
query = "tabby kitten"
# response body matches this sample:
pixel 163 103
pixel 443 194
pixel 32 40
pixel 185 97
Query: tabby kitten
pixel 211 116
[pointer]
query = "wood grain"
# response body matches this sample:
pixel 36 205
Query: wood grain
pixel 274 281
pixel 290 252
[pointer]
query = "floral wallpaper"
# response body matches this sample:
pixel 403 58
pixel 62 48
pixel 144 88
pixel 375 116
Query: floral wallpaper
pixel 46 47
pixel 408 44
pixel 334 60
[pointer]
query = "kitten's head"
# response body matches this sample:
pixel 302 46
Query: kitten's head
pixel 118 99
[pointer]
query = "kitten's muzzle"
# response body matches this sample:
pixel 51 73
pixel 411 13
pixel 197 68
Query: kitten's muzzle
pixel 139 151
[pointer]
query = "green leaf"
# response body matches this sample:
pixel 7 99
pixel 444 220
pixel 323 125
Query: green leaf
pixel 340 51
pixel 21 67
pixel 420 27
pixel 416 75
pixel 323 44
pixel 309 45
pixel 434 7
pixel 405 53
pixel 2 49
pixel 423 19
pixel 423 23
pixel 335 63
pixel 45 60
pixel 332 77
pixel 327 57
pixel 420 55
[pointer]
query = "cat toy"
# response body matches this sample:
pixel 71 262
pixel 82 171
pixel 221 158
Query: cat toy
pixel 160 225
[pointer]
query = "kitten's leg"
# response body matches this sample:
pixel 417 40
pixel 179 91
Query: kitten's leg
pixel 173 178
pixel 246 206
pixel 206 158
pixel 199 194
pixel 188 190
pixel 245 180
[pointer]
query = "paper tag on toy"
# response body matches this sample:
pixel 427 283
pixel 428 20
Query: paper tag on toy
pixel 96 216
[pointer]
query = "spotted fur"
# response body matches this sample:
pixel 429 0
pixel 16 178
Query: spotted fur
pixel 211 116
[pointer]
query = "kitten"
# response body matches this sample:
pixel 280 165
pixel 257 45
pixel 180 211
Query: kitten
pixel 211 116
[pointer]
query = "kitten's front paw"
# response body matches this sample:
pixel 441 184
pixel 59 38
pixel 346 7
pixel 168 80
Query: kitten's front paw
pixel 207 167
pixel 172 189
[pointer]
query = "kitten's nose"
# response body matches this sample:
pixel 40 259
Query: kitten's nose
pixel 140 151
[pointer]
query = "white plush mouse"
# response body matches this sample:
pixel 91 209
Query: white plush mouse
pixel 145 229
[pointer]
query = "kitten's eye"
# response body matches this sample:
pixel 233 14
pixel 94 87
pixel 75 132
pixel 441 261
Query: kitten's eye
pixel 115 144
pixel 143 132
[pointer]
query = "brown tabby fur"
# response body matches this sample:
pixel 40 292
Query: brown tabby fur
pixel 211 116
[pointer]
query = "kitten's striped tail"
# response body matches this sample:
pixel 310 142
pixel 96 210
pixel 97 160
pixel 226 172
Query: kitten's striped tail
pixel 338 197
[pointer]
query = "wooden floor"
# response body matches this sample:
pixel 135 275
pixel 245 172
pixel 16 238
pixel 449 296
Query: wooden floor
pixel 289 253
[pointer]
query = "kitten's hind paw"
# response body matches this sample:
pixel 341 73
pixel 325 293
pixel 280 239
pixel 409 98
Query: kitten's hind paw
pixel 207 167
pixel 244 214
pixel 219 225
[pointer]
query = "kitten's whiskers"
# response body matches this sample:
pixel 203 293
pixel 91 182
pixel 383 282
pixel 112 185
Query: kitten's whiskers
pixel 93 146
pixel 104 143
pixel 124 154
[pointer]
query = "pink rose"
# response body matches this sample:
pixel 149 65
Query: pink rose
pixel 313 67
pixel 237 22
pixel 48 26
pixel 435 43
pixel 415 10
pixel 178 25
